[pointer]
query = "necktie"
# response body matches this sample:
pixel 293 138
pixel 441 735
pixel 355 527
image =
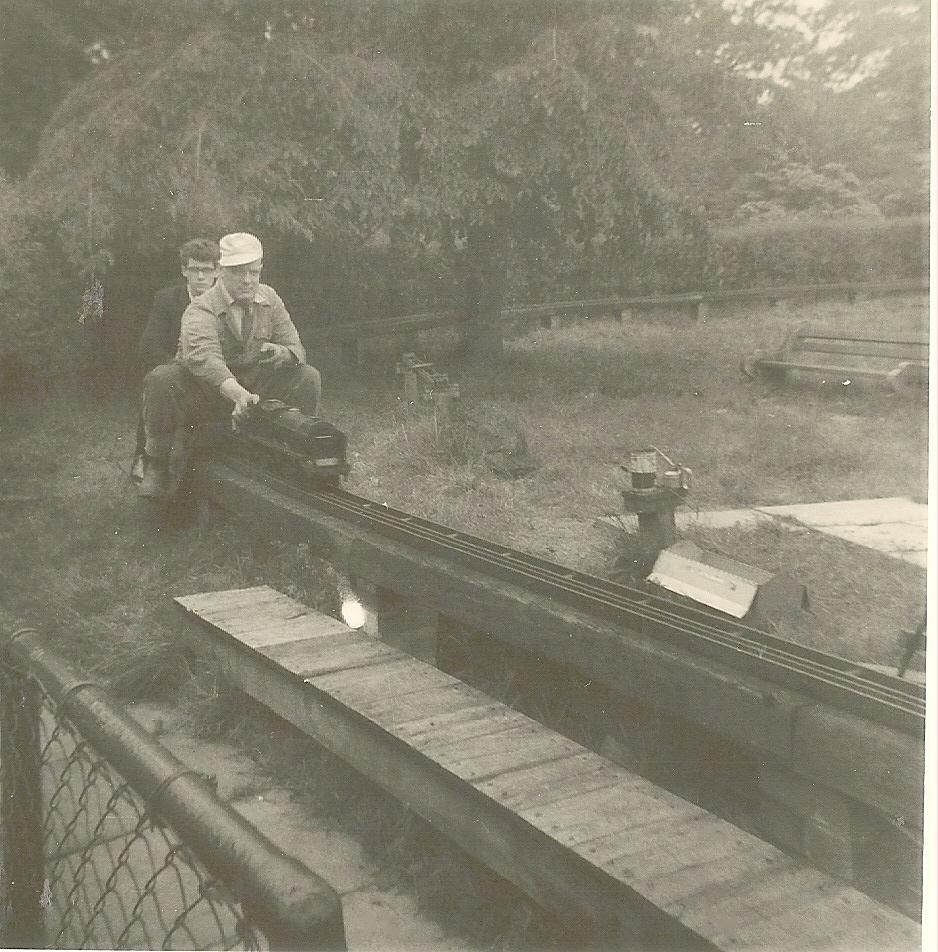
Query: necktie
pixel 247 321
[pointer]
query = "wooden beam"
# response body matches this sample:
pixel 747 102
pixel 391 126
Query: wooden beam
pixel 618 860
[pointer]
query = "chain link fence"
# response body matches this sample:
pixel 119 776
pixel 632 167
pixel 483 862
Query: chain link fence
pixel 109 841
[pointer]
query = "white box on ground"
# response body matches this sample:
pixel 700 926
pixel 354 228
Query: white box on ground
pixel 727 585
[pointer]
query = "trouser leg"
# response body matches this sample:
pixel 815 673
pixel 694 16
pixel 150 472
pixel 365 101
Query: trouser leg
pixel 299 387
pixel 173 401
pixel 141 435
pixel 136 465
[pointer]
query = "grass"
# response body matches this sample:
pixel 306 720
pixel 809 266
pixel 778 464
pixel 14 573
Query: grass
pixel 79 560
pixel 860 599
pixel 586 394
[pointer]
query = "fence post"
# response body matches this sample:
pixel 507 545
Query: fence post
pixel 350 352
pixel 21 814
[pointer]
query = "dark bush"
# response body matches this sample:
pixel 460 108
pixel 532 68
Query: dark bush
pixel 816 251
pixel 789 251
pixel 35 336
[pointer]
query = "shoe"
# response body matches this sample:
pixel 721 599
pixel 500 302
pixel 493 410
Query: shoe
pixel 136 469
pixel 156 482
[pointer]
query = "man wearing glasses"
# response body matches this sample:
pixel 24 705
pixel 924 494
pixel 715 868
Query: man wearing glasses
pixel 198 260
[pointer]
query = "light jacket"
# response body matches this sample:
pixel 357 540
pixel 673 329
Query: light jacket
pixel 212 346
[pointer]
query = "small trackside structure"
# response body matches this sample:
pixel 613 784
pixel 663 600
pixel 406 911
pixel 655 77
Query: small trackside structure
pixel 733 587
pixel 653 497
pixel 421 383
pixel 658 487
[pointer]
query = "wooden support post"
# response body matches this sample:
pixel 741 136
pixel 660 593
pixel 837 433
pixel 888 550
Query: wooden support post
pixel 822 824
pixel 23 926
pixel 406 625
pixel 656 530
pixel 410 389
pixel 444 401
pixel 351 352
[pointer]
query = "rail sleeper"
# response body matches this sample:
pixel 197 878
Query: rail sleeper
pixel 609 853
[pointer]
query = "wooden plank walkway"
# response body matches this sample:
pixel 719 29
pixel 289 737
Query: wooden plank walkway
pixel 619 858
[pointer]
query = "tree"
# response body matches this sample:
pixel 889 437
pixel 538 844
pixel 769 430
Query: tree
pixel 49 46
pixel 855 91
pixel 315 138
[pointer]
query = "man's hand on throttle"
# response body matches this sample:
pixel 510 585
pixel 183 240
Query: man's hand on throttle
pixel 241 405
pixel 276 355
pixel 240 397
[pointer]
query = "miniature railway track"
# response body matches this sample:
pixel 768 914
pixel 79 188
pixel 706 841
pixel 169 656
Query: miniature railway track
pixel 824 677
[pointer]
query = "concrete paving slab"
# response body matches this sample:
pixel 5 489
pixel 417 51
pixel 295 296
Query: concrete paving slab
pixel 889 537
pixel 376 916
pixel 721 518
pixel 894 525
pixel 373 921
pixel 855 512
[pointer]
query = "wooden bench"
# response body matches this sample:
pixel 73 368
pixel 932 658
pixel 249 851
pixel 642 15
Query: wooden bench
pixel 616 858
pixel 897 357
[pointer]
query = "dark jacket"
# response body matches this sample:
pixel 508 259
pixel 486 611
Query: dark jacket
pixel 161 335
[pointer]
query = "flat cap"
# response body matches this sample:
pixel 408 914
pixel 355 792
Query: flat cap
pixel 239 248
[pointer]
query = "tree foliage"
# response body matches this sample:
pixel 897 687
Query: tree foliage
pixel 857 94
pixel 34 303
pixel 797 189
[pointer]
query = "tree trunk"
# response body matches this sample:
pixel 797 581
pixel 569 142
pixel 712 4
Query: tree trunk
pixel 486 290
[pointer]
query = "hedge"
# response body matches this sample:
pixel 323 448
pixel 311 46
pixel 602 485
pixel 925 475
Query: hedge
pixel 802 251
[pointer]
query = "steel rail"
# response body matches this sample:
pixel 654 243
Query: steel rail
pixel 823 676
pixel 576 583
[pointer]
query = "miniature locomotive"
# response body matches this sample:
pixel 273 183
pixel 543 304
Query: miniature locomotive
pixel 296 441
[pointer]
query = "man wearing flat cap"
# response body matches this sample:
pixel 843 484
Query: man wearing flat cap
pixel 237 345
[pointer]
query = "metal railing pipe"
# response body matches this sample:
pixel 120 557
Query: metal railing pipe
pixel 293 907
